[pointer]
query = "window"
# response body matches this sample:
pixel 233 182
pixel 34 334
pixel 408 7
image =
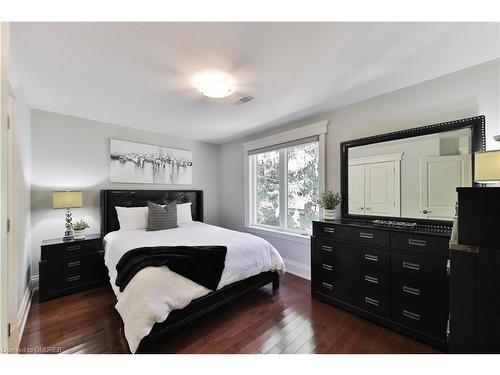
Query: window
pixel 284 182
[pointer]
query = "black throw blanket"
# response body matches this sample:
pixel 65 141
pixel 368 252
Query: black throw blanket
pixel 201 264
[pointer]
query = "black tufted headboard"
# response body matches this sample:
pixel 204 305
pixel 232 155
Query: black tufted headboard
pixel 137 198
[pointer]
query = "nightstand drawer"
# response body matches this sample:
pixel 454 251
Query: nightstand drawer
pixel 71 272
pixel 69 249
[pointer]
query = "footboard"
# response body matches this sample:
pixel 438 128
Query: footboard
pixel 205 305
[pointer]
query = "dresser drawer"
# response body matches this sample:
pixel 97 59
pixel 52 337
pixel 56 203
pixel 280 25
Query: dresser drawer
pixel 419 267
pixel 373 258
pixel 420 293
pixel 350 233
pixel 421 318
pixel 374 280
pixel 73 248
pixel 419 243
pixel 335 252
pixel 373 302
pixel 71 272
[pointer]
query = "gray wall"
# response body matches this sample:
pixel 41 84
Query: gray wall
pixel 72 153
pixel 469 92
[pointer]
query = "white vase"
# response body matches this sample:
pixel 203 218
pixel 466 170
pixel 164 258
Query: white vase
pixel 328 214
pixel 79 234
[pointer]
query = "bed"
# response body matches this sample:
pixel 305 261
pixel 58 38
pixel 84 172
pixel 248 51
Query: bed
pixel 157 301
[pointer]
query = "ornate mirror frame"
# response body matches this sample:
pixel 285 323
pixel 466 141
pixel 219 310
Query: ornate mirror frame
pixel 478 143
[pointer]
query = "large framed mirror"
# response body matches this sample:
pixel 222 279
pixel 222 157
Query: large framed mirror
pixel 410 175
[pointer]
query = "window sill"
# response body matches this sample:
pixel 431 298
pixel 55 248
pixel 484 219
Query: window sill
pixel 282 235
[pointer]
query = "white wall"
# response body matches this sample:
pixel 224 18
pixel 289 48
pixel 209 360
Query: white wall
pixel 21 125
pixel 73 153
pixel 469 92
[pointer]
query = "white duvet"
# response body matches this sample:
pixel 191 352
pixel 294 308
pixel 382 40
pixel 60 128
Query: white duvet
pixel 155 291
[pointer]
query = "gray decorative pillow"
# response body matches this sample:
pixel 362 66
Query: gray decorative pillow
pixel 160 218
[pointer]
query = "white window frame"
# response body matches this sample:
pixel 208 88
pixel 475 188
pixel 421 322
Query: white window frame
pixel 319 129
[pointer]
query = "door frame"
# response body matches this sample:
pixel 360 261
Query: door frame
pixel 4 266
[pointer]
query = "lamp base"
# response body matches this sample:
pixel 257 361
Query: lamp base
pixel 68 238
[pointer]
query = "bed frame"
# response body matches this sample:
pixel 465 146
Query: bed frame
pixel 199 307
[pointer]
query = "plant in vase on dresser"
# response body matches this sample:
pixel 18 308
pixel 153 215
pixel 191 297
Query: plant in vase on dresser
pixel 329 201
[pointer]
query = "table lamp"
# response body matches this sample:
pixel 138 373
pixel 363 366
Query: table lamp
pixel 487 167
pixel 67 199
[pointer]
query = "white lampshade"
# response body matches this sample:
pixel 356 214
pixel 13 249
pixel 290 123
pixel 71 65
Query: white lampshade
pixel 487 166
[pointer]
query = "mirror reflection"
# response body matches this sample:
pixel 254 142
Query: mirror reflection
pixel 413 177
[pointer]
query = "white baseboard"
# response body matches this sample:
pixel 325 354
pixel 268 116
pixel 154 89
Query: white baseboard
pixel 24 310
pixel 298 269
pixel 17 329
pixel 34 282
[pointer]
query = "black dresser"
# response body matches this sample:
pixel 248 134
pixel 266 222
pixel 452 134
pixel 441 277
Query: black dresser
pixel 396 277
pixel 70 266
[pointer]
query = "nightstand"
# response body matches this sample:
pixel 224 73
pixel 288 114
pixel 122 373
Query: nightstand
pixel 70 266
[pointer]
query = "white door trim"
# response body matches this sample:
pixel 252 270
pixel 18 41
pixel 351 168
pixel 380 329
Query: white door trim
pixel 376 159
pixel 4 269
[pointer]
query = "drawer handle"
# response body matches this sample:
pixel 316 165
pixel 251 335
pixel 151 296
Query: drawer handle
pixel 329 229
pixel 366 235
pixel 410 290
pixel 371 258
pixel 327 248
pixel 73 248
pixel 414 242
pixel 327 285
pixel 370 279
pixel 411 266
pixel 371 301
pixel 327 267
pixel 73 278
pixel 411 315
pixel 74 264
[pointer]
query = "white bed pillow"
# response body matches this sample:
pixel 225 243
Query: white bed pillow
pixel 184 213
pixel 132 218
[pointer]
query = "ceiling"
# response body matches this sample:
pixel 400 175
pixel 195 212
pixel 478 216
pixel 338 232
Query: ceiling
pixel 139 74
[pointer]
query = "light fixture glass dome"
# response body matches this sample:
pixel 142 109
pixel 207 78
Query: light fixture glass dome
pixel 214 84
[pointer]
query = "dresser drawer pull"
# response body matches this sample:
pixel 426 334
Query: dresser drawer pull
pixel 414 242
pixel 73 278
pixel 366 235
pixel 327 248
pixel 371 258
pixel 327 285
pixel 411 290
pixel 329 229
pixel 73 248
pixel 411 315
pixel 411 266
pixel 327 267
pixel 370 279
pixel 74 264
pixel 371 301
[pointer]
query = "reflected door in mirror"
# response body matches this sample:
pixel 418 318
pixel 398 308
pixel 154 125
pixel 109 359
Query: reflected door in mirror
pixel 374 185
pixel 439 178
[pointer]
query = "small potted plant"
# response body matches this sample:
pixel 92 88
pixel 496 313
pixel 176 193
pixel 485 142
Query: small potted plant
pixel 329 201
pixel 79 229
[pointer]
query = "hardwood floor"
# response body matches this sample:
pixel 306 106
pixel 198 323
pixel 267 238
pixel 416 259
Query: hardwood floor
pixel 288 321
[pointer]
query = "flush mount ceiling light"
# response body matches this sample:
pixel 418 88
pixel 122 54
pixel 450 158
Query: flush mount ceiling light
pixel 214 84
